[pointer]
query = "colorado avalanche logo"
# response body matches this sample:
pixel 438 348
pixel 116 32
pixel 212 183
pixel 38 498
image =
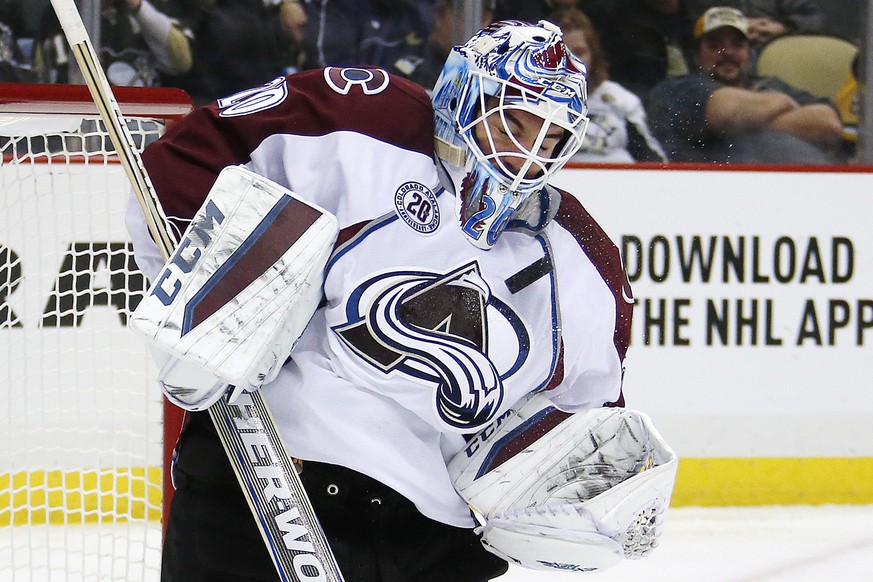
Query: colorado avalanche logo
pixel 433 327
pixel 371 81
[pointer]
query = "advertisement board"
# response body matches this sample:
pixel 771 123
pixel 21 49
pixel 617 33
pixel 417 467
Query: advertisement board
pixel 752 342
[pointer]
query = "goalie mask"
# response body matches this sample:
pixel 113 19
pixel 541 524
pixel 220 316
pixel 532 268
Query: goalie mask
pixel 510 109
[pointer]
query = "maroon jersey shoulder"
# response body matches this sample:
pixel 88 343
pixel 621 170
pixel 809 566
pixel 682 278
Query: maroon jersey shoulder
pixel 183 164
pixel 606 258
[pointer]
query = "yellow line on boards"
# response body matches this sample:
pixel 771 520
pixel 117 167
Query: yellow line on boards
pixel 773 481
pixel 80 496
pixel 107 495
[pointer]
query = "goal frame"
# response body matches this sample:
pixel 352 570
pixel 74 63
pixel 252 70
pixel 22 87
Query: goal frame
pixel 163 104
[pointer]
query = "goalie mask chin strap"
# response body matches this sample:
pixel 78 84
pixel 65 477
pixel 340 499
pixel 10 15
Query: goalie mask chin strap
pixel 452 154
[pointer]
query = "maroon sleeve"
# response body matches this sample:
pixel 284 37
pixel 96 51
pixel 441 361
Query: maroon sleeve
pixel 605 256
pixel 184 163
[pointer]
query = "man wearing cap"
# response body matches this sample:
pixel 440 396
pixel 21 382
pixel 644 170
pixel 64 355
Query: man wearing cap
pixel 722 113
pixel 769 19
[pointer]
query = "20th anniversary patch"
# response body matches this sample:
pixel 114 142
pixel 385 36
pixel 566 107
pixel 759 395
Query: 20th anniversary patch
pixel 417 206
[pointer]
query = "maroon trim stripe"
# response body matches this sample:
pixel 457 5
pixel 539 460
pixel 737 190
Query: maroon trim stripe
pixel 528 436
pixel 291 222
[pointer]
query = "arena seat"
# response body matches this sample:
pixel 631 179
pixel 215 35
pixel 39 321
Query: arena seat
pixel 819 64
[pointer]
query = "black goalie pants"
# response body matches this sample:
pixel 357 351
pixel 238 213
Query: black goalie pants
pixel 376 534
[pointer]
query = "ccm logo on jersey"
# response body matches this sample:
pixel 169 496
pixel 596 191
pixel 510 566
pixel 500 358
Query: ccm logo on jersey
pixel 417 206
pixel 186 256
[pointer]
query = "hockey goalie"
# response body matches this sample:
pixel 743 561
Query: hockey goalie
pixel 440 334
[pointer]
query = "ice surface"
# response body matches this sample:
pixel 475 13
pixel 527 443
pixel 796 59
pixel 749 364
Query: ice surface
pixel 747 544
pixel 831 543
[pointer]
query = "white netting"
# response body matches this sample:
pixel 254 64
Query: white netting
pixel 80 417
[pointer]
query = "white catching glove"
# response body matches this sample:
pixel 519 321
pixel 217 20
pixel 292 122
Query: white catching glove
pixel 559 491
pixel 239 290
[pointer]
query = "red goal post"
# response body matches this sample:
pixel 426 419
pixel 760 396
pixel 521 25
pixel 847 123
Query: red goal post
pixel 84 434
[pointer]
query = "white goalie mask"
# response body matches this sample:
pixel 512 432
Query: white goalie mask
pixel 497 154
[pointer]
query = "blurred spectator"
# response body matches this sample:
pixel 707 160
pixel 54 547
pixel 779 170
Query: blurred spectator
pixel 364 32
pixel 13 69
pixel 14 64
pixel 848 102
pixel 11 15
pixel 530 10
pixel 332 35
pixel 138 42
pixel 645 41
pixel 769 19
pixel 293 20
pixel 394 29
pixel 22 16
pixel 721 113
pixel 25 18
pixel 425 67
pixel 618 131
pixel 238 44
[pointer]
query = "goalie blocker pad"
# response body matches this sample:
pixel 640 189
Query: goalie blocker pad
pixel 239 290
pixel 561 491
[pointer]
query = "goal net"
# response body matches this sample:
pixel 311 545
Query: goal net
pixel 81 442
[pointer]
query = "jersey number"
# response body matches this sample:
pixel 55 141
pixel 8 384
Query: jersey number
pixel 419 207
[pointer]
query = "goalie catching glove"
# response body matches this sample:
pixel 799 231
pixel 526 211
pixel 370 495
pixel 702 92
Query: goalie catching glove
pixel 574 492
pixel 239 290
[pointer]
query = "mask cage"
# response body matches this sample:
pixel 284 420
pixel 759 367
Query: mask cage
pixel 524 168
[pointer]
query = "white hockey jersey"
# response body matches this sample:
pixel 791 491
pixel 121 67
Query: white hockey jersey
pixel 422 338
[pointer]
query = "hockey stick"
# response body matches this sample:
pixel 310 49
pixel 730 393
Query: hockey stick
pixel 267 477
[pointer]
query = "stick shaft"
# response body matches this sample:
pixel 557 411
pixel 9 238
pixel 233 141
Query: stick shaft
pixel 110 113
pixel 270 484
